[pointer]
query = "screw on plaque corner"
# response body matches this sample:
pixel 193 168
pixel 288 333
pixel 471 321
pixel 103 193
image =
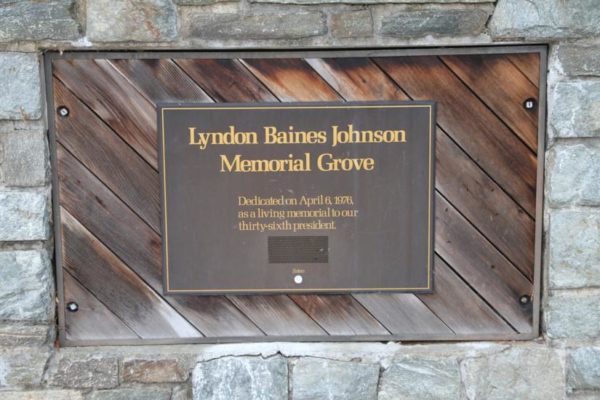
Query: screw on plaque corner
pixel 72 306
pixel 63 111
pixel 529 104
pixel 525 299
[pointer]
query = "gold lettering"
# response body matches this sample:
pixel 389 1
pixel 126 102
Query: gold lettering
pixel 275 136
pixel 291 164
pixel 326 162
pixel 366 136
pixel 230 137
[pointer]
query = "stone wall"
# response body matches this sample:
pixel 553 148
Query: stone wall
pixel 563 363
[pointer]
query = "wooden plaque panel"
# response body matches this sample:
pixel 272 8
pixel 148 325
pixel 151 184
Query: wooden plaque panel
pixel 488 185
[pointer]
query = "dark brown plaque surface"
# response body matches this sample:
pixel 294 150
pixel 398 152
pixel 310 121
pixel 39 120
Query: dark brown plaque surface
pixel 300 197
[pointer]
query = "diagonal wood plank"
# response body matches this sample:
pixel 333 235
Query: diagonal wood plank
pixel 100 211
pixel 340 315
pixel 92 321
pixel 357 79
pixel 291 79
pixel 459 307
pixel 216 316
pixel 160 80
pixel 403 314
pixel 106 155
pixel 470 123
pixel 529 64
pixel 110 96
pixel 277 315
pixel 129 238
pixel 93 264
pixel 484 204
pixel 226 80
pixel 481 265
pixel 503 88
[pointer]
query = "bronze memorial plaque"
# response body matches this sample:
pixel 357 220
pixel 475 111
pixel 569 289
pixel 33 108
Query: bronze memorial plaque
pixel 297 197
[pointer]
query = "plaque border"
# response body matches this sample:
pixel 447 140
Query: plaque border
pixel 161 107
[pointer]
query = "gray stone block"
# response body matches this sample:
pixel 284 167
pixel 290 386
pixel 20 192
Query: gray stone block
pixel 26 287
pixel 20 97
pixel 22 367
pixel 545 19
pixel 587 395
pixel 583 369
pixel 182 392
pixel 23 158
pixel 579 59
pixel 18 333
pixel 574 111
pixel 452 22
pixel 83 372
pixel 141 393
pixel 24 215
pixel 260 26
pixel 573 314
pixel 37 20
pixel 573 171
pixel 131 20
pixel 421 378
pixel 43 395
pixel 317 378
pixel 152 371
pixel 202 2
pixel 517 373
pixel 241 378
pixel 365 1
pixel 348 24
pixel 574 249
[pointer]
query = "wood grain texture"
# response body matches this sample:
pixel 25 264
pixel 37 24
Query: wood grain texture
pixel 291 79
pixel 160 80
pixel 480 264
pixel 108 157
pixel 484 203
pixel 458 306
pixel 470 123
pixel 127 296
pixel 226 80
pixel 403 313
pixel 277 315
pixel 108 94
pixel 528 64
pixel 93 320
pixel 340 315
pixel 96 207
pixel 357 79
pixel 500 85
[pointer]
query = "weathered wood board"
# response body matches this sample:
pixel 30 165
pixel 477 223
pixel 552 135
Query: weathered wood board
pixel 487 205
